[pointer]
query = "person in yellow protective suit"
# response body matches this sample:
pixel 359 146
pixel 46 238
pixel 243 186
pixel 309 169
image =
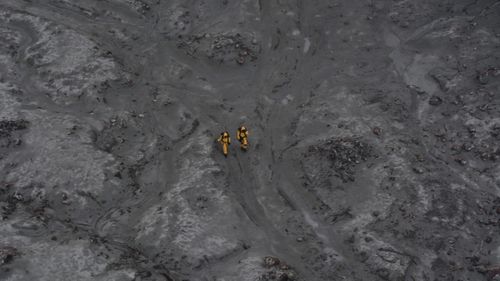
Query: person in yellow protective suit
pixel 242 136
pixel 225 141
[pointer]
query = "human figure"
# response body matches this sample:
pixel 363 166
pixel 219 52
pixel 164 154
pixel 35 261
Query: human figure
pixel 242 136
pixel 225 141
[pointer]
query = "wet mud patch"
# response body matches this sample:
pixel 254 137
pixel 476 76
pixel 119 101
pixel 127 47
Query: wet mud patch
pixel 140 6
pixel 179 22
pixel 9 133
pixel 343 155
pixel 8 126
pixel 278 270
pixel 381 258
pixel 7 254
pixel 435 232
pixel 69 65
pixel 222 48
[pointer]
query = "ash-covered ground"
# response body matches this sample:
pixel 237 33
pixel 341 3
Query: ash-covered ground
pixel 374 140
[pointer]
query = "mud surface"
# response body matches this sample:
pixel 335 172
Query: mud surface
pixel 374 140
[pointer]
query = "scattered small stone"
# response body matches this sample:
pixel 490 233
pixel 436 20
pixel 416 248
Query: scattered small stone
pixel 284 266
pixel 344 154
pixel 240 60
pixel 351 239
pixel 467 146
pixel 435 101
pixel 283 277
pixel 7 254
pixel 443 76
pixel 277 270
pixel 418 170
pixel 8 126
pixel 292 276
pixel 419 157
pixel 300 239
pixel 144 274
pixel 18 197
pixel 483 77
pixel 481 269
pixel 377 131
pixel 383 273
pixel 222 47
pixel 271 261
pixel 495 276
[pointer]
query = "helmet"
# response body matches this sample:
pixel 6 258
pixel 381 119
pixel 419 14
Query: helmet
pixel 225 134
pixel 243 128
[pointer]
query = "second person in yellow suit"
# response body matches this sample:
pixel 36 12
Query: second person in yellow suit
pixel 242 136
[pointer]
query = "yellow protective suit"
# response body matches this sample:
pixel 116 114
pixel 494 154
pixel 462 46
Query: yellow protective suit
pixel 225 141
pixel 242 136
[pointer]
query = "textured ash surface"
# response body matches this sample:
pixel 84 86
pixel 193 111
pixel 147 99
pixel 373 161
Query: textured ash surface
pixel 375 140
